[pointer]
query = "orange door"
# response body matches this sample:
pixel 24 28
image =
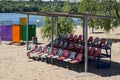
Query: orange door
pixel 16 33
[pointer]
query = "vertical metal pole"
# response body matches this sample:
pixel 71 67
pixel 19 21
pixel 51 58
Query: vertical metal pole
pixel 52 32
pixel 86 45
pixel 56 27
pixel 83 31
pixel 27 35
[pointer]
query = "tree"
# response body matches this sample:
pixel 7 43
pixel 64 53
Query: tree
pixel 98 7
pixel 106 8
pixel 65 25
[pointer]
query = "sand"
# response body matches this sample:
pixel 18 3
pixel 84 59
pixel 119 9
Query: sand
pixel 14 64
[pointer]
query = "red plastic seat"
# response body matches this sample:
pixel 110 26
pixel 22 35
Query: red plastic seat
pixel 64 55
pixel 90 40
pixel 75 38
pixel 43 51
pixel 97 52
pixel 70 46
pixel 77 59
pixel 81 49
pixel 33 50
pixel 102 42
pixel 78 49
pixel 70 37
pixel 54 52
pixel 79 38
pixel 91 51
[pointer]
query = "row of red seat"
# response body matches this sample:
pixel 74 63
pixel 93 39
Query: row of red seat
pixel 96 42
pixel 72 38
pixel 95 46
pixel 69 47
pixel 46 51
pixel 59 54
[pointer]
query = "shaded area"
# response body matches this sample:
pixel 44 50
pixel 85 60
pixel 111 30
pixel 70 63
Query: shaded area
pixel 112 71
pixel 118 34
pixel 98 32
pixel 21 43
pixel 40 43
pixel 114 40
pixel 92 69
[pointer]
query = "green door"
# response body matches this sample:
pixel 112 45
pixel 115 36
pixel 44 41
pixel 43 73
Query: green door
pixel 31 32
pixel 23 32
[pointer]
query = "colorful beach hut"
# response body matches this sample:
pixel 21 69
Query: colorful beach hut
pixel 31 29
pixel 6 33
pixel 31 32
pixel 16 33
pixel 6 30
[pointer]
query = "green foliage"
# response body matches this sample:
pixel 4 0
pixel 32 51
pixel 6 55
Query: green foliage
pixel 105 8
pixel 98 7
pixel 66 7
pixel 46 29
pixel 65 25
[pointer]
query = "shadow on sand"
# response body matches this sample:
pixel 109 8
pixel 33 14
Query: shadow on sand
pixel 98 32
pixel 23 43
pixel 115 40
pixel 112 71
pixel 92 68
pixel 118 34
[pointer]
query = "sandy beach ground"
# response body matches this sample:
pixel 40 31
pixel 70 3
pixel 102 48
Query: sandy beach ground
pixel 14 64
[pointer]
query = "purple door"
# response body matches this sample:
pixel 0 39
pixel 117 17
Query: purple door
pixel 6 33
pixel 0 32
